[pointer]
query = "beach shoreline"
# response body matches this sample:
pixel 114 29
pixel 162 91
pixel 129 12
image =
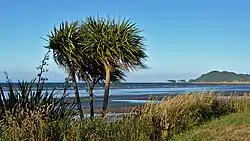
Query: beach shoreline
pixel 126 107
pixel 220 83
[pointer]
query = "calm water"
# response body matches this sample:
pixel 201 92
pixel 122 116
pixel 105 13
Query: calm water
pixel 139 92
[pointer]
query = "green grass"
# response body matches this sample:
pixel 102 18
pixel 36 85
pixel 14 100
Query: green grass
pixel 235 127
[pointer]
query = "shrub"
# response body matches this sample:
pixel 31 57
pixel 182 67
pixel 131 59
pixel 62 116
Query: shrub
pixel 29 96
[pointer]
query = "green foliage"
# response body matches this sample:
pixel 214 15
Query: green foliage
pixel 98 50
pixel 29 96
pixel 68 45
pixel 216 76
pixel 65 43
pixel 114 42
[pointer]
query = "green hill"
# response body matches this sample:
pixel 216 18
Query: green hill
pixel 224 76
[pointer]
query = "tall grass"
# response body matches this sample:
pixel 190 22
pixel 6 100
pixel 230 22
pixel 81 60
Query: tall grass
pixel 153 121
pixel 178 113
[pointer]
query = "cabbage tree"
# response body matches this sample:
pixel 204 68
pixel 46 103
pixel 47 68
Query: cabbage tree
pixel 65 42
pixel 111 43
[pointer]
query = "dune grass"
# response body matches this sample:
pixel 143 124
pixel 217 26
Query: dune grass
pixel 152 121
pixel 177 114
pixel 234 127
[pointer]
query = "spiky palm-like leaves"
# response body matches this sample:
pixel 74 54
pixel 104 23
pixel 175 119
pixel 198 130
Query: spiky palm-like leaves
pixel 68 43
pixel 65 42
pixel 114 43
pixel 98 49
pixel 23 97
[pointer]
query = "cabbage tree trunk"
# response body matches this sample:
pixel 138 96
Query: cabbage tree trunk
pixel 106 90
pixel 91 100
pixel 77 97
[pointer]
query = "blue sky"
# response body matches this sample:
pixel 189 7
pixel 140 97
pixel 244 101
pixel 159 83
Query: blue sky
pixel 184 38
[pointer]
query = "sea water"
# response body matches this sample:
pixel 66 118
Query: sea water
pixel 135 93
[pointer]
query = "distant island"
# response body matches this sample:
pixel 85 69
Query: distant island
pixel 177 81
pixel 222 77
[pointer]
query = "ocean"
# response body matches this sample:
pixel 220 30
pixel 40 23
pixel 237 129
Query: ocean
pixel 127 94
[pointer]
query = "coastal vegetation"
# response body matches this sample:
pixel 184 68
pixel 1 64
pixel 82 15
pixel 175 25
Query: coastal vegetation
pixel 94 51
pixel 224 76
pixel 167 120
pixel 35 114
pixel 97 50
pixel 30 114
pixel 231 127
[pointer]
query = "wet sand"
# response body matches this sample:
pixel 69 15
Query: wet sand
pixel 124 107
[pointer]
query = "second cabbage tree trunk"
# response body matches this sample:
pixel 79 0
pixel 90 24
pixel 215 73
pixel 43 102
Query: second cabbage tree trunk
pixel 77 97
pixel 91 100
pixel 106 90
